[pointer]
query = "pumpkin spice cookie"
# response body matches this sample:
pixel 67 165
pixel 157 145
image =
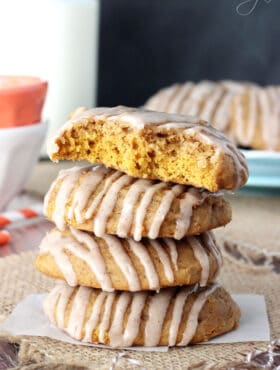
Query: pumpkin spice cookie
pixel 152 145
pixel 103 200
pixel 113 263
pixel 255 118
pixel 173 317
pixel 209 100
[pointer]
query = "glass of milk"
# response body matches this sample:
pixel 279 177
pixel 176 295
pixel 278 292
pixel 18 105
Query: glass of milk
pixel 58 41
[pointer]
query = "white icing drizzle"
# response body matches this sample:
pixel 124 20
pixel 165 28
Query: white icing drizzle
pixel 270 120
pixel 115 331
pixel 129 202
pixel 134 318
pixel 108 203
pixel 192 321
pixel 182 93
pixel 246 136
pixel 142 253
pixel 77 313
pixel 96 200
pixel 142 209
pixel 163 210
pixel 105 317
pixel 102 319
pixel 202 256
pixel 211 103
pixel 92 256
pixel 172 251
pixel 82 195
pixel 164 259
pixel 84 247
pixel 210 243
pixel 177 313
pixel 122 259
pixel 51 304
pixel 196 97
pixel 52 239
pixel 62 304
pixel 69 179
pixel 95 316
pixel 191 199
pixel 158 306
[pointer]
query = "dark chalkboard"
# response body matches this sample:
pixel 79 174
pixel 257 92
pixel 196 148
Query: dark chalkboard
pixel 147 44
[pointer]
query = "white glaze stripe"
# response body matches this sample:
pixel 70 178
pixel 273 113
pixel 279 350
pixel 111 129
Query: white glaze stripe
pixel 108 203
pixel 175 104
pixel 163 209
pixel 142 208
pixel 129 202
pixel 191 199
pixel 115 331
pixel 134 318
pixel 141 252
pixel 87 187
pixel 202 257
pixel 172 251
pixel 192 321
pixel 61 306
pixel 95 316
pixel 158 306
pixel 177 313
pixel 122 259
pixel 92 256
pixel 61 258
pixel 84 248
pixel 63 195
pixel 50 304
pixel 164 259
pixel 77 313
pixel 95 202
pixel 103 319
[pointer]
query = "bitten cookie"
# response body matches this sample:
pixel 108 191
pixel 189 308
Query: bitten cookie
pixel 111 263
pixel 103 200
pixel 152 145
pixel 255 119
pixel 174 316
pixel 206 99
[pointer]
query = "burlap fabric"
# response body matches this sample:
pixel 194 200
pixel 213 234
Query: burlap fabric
pixel 19 278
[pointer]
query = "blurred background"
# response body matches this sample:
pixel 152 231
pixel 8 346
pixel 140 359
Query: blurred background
pixel 145 45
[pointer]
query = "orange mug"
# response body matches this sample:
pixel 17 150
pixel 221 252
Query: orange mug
pixel 21 100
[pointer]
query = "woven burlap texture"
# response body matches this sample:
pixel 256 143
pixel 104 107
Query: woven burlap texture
pixel 19 278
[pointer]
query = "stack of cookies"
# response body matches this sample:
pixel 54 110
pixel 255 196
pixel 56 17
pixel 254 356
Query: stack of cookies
pixel 132 243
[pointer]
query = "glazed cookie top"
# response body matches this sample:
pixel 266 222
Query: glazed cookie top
pixel 140 119
pixel 141 147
